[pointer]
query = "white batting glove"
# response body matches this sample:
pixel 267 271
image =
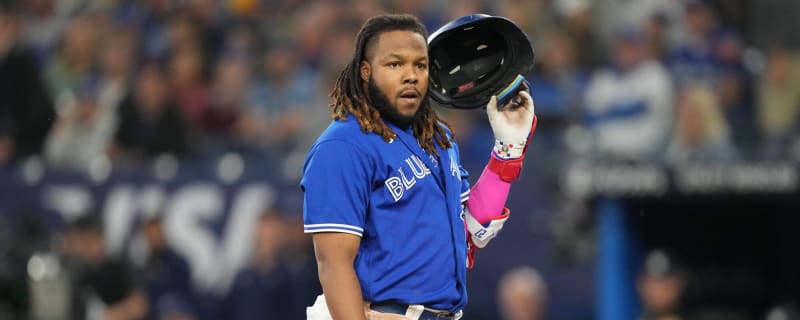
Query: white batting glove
pixel 511 125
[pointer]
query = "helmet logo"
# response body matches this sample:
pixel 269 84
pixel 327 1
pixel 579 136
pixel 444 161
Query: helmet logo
pixel 466 86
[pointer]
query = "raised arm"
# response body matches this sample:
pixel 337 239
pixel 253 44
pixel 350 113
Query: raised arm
pixel 485 210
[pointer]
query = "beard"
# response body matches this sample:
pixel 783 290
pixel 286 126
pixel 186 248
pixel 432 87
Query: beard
pixel 390 112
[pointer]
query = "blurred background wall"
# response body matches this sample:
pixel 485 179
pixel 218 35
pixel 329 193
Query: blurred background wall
pixel 150 152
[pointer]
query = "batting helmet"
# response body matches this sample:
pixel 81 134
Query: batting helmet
pixel 475 57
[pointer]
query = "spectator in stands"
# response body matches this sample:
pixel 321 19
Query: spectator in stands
pixel 150 123
pixel 74 60
pixel 628 105
pixel 734 89
pixel 522 295
pixel 165 276
pixel 559 82
pixel 241 40
pixel 339 44
pixel 339 48
pixel 281 96
pixel 779 103
pixel 43 25
pixel 657 28
pixel 578 21
pixel 422 9
pixel 102 287
pixel 230 82
pixel 184 33
pixel 609 15
pixel 536 17
pixel 262 290
pixel 83 130
pixel 661 284
pixel 150 19
pixel 701 133
pixel 26 110
pixel 693 59
pixel 188 85
pixel 116 67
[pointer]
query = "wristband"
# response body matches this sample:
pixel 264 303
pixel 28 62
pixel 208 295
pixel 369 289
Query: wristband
pixel 505 150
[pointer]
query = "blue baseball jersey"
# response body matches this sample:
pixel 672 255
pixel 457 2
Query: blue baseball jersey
pixel 404 203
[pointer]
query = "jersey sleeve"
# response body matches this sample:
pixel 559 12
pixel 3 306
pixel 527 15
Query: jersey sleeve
pixel 336 189
pixel 464 183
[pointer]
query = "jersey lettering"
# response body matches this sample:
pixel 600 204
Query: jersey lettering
pixel 398 185
pixel 419 168
pixel 454 170
pixel 395 188
pixel 407 183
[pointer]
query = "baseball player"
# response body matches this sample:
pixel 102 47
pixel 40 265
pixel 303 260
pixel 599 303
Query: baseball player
pixel 395 223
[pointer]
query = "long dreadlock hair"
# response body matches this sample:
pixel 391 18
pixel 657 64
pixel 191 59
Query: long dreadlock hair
pixel 350 97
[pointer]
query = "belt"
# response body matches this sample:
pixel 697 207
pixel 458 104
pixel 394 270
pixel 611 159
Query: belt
pixel 399 308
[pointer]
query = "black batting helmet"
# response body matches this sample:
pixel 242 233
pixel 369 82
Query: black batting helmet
pixel 475 57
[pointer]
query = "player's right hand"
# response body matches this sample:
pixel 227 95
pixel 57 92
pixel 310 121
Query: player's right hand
pixel 512 125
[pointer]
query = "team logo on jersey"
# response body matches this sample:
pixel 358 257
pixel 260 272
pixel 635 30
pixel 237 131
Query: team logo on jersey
pixel 404 180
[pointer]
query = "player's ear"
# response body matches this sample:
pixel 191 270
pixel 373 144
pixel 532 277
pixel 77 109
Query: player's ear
pixel 365 70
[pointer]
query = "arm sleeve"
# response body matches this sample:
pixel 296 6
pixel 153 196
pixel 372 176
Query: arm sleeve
pixel 488 197
pixel 336 189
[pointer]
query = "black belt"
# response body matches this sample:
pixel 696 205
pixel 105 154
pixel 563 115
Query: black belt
pixel 398 308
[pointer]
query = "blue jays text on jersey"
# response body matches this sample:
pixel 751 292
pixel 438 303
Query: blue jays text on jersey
pixel 404 204
pixel 398 184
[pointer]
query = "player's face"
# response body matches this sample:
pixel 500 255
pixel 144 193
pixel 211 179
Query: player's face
pixel 398 67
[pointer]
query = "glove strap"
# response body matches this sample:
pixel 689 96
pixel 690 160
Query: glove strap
pixel 508 170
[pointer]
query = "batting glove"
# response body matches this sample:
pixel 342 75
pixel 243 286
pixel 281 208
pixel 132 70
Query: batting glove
pixel 512 125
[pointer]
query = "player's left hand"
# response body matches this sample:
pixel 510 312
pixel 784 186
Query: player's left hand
pixel 512 125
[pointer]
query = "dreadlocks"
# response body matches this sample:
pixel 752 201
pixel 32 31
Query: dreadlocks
pixel 349 96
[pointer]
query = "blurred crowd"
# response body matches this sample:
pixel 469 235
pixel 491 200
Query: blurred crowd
pixel 668 81
pixel 124 82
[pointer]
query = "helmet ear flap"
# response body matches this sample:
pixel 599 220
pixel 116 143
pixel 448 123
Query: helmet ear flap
pixel 475 57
